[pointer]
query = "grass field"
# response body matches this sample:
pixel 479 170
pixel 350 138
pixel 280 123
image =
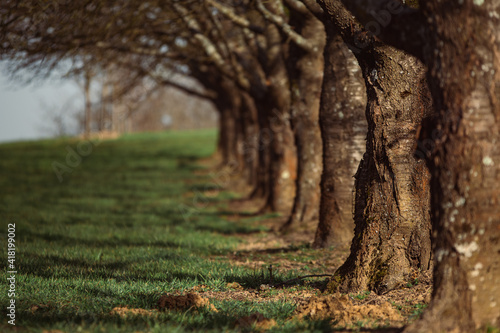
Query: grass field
pixel 103 231
pixel 111 231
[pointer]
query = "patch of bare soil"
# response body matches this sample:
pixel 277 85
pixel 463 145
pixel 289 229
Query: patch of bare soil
pixel 408 299
pixel 125 312
pixel 286 251
pixel 342 310
pixel 292 252
pixel 263 294
pixel 184 302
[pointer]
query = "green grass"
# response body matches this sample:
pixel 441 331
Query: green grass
pixel 113 233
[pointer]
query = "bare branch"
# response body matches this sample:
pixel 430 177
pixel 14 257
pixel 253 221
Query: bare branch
pixel 210 95
pixel 389 20
pixel 298 6
pixel 285 27
pixel 209 47
pixel 235 18
pixel 313 7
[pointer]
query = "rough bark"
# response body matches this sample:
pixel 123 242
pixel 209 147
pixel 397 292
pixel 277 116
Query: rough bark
pixel 306 68
pixel 250 144
pixel 464 66
pixel 261 188
pixel 228 103
pixel 343 131
pixel 391 214
pixel 462 51
pixel 278 132
pixel 240 136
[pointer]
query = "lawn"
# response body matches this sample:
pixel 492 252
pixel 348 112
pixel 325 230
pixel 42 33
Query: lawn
pixel 101 236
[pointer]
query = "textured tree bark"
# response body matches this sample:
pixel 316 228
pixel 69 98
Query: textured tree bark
pixel 228 102
pixel 278 132
pixel 283 166
pixel 250 145
pixel 343 130
pixel 227 139
pixel 460 43
pixel 276 172
pixel 277 153
pixel 306 69
pixel 391 213
pixel 261 189
pixel 464 64
pixel 239 163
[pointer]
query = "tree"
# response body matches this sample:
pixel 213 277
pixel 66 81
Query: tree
pixel 391 213
pixel 87 78
pixel 305 68
pixel 263 60
pixel 343 130
pixel 459 43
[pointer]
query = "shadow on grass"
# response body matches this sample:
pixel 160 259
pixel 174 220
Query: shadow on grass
pixel 191 319
pixel 287 249
pixel 63 240
pixel 52 266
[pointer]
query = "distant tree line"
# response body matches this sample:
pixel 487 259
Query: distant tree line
pixel 405 96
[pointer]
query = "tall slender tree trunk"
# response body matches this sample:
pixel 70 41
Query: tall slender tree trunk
pixel 343 130
pixel 307 68
pixel 391 213
pixel 251 139
pixel 277 132
pixel 264 136
pixel 228 103
pixel 283 166
pixel 88 104
pixel 104 110
pixel 240 136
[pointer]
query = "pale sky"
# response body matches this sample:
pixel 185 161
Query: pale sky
pixel 23 109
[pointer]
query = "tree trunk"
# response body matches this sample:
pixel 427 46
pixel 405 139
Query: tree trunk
pixel 282 167
pixel 278 135
pixel 391 213
pixel 251 139
pixel 261 189
pixel 464 64
pixel 228 103
pixel 307 68
pixel 88 105
pixel 343 130
pixel 104 112
pixel 240 138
